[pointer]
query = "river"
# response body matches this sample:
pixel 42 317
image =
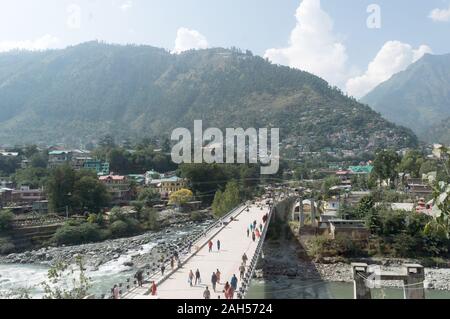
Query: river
pixel 30 276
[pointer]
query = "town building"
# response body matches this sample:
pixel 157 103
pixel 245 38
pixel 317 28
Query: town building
pixel 418 188
pixel 118 187
pixel 355 229
pixel 101 168
pixel 167 186
pixel 75 158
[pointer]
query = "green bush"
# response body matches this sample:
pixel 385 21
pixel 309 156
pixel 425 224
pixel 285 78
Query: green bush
pixel 75 235
pixel 124 228
pixel 149 218
pixel 6 219
pixel 119 229
pixel 197 217
pixel 6 246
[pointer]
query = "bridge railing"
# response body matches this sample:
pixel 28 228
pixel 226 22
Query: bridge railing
pixel 153 273
pixel 253 263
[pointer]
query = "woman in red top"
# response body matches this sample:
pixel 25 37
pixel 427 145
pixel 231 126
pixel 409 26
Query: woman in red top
pixel 153 289
pixel 226 290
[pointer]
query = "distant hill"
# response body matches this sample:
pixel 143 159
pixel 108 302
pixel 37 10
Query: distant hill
pixel 418 98
pixel 440 132
pixel 81 93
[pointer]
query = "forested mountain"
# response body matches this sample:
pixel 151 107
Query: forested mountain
pixel 440 132
pixel 84 92
pixel 418 98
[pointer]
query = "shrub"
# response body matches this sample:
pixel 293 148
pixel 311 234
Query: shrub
pixel 6 219
pixel 6 246
pixel 119 229
pixel 124 228
pixel 74 235
pixel 149 217
pixel 404 245
pixel 197 217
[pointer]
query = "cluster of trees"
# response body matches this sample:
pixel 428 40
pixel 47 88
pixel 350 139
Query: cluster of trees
pixel 207 179
pixel 79 191
pixel 399 233
pixel 144 156
pixel 388 165
pixel 97 228
pixel 6 220
pixel 227 200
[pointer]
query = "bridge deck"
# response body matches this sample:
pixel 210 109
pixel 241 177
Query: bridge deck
pixel 234 243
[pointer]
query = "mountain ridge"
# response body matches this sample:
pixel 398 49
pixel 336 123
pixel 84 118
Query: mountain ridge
pixel 92 89
pixel 418 98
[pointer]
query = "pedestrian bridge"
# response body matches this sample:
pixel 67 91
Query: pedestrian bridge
pixel 232 233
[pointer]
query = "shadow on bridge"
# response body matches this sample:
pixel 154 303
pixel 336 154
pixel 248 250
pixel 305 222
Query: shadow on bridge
pixel 285 270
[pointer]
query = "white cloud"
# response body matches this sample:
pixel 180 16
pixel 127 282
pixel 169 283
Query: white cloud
pixel 189 39
pixel 42 43
pixel 440 15
pixel 393 57
pixel 313 46
pixel 126 5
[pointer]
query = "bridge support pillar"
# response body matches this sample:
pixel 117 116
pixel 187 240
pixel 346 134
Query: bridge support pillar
pixel 414 287
pixel 360 273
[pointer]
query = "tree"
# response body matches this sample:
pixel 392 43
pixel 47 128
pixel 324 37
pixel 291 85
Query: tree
pixel 365 206
pixel 226 201
pixel 180 197
pixel 79 287
pixel 89 194
pixel 78 190
pixel 6 219
pixel 59 187
pixel 385 166
pixel 39 160
pixel 217 204
pixel 148 196
pixel 441 194
pixel 411 163
pixel 31 176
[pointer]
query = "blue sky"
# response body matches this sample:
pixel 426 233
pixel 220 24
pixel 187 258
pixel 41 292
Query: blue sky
pixel 258 25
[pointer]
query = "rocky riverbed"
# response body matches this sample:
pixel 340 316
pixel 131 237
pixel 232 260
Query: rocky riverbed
pixel 285 261
pixel 150 246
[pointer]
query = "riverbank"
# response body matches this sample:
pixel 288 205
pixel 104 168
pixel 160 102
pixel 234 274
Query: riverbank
pixel 287 260
pixel 107 263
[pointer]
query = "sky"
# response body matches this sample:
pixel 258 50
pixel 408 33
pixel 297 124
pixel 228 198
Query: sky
pixel 353 44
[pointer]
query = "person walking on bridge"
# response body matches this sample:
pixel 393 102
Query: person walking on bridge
pixel 163 269
pixel 154 289
pixel 226 289
pixel 253 237
pixel 242 271
pixel 207 293
pixel 234 282
pixel 248 232
pixel 139 277
pixel 218 245
pixel 214 281
pixel 191 278
pixel 218 274
pixel 210 245
pixel 116 292
pixel 198 279
pixel 244 258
